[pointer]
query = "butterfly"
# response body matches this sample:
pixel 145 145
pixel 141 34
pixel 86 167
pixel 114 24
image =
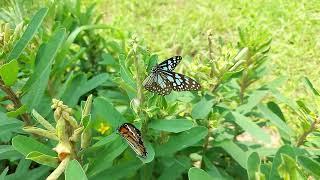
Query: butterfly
pixel 133 137
pixel 163 80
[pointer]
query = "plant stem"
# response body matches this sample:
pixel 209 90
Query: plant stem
pixel 303 137
pixel 15 100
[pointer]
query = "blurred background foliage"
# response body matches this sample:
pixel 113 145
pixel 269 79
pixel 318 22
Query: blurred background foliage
pixel 256 117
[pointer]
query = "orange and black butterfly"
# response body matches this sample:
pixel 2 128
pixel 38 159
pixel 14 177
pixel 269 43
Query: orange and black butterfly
pixel 133 137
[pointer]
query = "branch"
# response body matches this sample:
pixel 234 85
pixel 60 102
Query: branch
pixel 303 137
pixel 15 100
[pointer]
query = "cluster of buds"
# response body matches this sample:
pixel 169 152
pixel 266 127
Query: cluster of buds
pixel 8 36
pixel 67 132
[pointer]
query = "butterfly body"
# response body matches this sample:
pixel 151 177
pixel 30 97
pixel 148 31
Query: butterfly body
pixel 133 137
pixel 162 80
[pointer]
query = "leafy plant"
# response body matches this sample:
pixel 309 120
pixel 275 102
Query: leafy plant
pixel 238 126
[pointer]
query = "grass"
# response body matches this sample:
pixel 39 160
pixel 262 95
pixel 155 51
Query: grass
pixel 180 26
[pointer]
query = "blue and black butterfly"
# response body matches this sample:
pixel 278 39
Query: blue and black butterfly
pixel 163 80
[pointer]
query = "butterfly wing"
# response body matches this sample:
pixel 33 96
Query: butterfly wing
pixel 157 83
pixel 180 82
pixel 170 64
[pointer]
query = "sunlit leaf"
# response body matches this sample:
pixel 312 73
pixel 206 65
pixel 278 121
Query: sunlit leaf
pixel 74 171
pixel 172 125
pixel 9 72
pixel 196 174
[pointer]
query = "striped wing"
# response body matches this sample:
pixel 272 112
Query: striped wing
pixel 170 64
pixel 157 83
pixel 180 82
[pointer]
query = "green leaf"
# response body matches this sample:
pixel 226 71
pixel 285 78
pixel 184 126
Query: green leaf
pixel 211 169
pixel 39 79
pixel 252 128
pixel 197 174
pixel 31 30
pixel 9 72
pixel 8 124
pixel 274 119
pixel 253 165
pixel 26 145
pixel 106 157
pixel 172 125
pixel 4 173
pixel 275 109
pixel 119 171
pixel 105 112
pixel 43 159
pixel 106 140
pixel 202 108
pixel 288 168
pixel 310 165
pixel 8 152
pixel 150 155
pixel 23 171
pixel 152 62
pixel 79 85
pixel 17 112
pixel 74 171
pixel 179 166
pixel 310 86
pixel 235 151
pixel 182 140
pixel 254 99
pixel 286 149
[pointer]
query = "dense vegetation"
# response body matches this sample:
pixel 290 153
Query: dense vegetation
pixel 72 71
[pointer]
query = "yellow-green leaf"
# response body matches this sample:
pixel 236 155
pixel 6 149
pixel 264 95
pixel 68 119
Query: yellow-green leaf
pixel 9 72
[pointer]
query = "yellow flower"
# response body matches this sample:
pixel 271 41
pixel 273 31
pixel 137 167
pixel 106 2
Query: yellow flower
pixel 103 128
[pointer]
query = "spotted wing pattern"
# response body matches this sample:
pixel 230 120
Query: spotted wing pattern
pixel 157 83
pixel 163 80
pixel 170 64
pixel 180 82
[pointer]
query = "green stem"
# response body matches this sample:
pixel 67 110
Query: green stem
pixel 15 100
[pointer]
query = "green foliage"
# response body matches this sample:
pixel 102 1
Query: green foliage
pixel 239 126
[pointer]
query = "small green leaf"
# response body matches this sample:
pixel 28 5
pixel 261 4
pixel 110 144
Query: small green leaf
pixel 31 30
pixel 274 119
pixel 197 174
pixel 254 99
pixel 172 125
pixel 252 128
pixel 43 159
pixel 152 62
pixel 106 140
pixel 253 165
pixel 9 72
pixel 17 112
pixel 285 149
pixel 310 165
pixel 75 171
pixel 4 173
pixel 104 111
pixel 202 108
pixel 26 145
pixel 310 86
pixel 150 155
pixel 182 140
pixel 235 151
pixel 211 169
pixel 8 152
pixel 106 157
pixel 8 124
pixel 288 168
pixel 173 171
pixel 119 171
